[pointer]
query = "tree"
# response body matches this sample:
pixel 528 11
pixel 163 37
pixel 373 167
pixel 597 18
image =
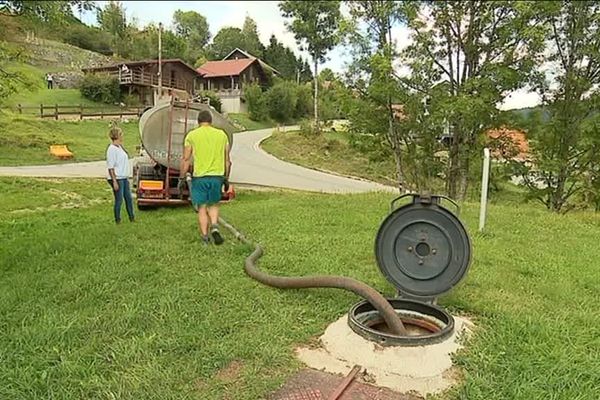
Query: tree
pixel 282 59
pixel 229 38
pixel 225 41
pixel 112 19
pixel 145 44
pixel 252 43
pixel 477 52
pixel 372 77
pixel 566 145
pixel 315 25
pixel 193 28
pixel 46 11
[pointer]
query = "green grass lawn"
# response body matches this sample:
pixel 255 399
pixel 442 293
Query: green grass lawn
pixel 248 125
pixel 331 152
pixel 143 311
pixel 48 97
pixel 26 140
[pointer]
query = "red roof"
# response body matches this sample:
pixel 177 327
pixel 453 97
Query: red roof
pixel 510 138
pixel 214 69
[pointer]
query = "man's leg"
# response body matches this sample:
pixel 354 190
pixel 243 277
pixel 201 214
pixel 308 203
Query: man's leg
pixel 213 213
pixel 203 221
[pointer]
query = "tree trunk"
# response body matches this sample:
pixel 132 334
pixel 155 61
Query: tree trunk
pixel 316 99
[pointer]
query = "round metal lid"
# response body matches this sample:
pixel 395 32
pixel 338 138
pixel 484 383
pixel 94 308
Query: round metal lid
pixel 422 248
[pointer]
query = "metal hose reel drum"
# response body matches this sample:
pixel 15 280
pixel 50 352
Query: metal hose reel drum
pixel 423 249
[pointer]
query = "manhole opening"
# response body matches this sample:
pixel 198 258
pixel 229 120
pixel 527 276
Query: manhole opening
pixel 414 327
pixel 424 323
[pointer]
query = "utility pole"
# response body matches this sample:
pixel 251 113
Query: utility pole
pixel 159 60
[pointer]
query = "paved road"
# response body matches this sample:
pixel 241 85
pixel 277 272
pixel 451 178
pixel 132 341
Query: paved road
pixel 251 166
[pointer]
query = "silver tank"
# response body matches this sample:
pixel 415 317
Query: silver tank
pixel 154 129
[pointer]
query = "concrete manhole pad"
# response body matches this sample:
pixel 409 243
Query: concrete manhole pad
pixel 310 384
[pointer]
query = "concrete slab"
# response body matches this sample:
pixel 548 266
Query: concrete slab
pixel 423 369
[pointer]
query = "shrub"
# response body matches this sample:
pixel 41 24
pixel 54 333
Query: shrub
pixel 89 38
pixel 282 99
pixel 215 101
pixel 101 88
pixel 257 104
pixel 304 105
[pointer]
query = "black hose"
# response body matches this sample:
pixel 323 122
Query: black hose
pixel 340 282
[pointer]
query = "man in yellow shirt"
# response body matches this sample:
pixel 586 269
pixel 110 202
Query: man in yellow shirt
pixel 210 148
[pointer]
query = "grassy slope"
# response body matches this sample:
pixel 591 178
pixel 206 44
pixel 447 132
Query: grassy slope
pixel 26 140
pixel 248 125
pixel 329 152
pixel 50 97
pixel 93 310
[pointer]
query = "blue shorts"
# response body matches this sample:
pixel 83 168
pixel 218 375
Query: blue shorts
pixel 206 190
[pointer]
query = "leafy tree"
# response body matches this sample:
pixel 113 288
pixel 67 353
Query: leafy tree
pixel 112 19
pixel 315 25
pixel 89 38
pixel 225 41
pixel 282 58
pixel 473 54
pixel 228 38
pixel 327 75
pixel 145 44
pixel 371 76
pixel 566 144
pixel 252 43
pixel 193 28
pixel 46 11
pixel 305 73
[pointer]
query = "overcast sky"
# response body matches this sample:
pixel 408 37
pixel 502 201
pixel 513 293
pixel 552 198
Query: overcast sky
pixel 268 18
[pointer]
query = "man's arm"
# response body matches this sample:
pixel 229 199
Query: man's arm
pixel 185 161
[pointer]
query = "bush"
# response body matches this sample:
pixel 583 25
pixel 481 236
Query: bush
pixel 215 101
pixel 304 105
pixel 101 88
pixel 282 99
pixel 257 104
pixel 89 38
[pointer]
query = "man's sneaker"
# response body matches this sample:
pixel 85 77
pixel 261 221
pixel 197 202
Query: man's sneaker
pixel 216 235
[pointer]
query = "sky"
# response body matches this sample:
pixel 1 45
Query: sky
pixel 268 18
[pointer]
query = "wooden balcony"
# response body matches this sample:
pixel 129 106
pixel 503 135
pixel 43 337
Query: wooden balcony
pixel 133 77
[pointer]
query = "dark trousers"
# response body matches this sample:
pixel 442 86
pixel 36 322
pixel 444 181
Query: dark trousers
pixel 123 192
pixel 50 83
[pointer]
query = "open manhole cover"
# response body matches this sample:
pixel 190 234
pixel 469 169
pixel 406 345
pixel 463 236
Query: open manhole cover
pixel 309 384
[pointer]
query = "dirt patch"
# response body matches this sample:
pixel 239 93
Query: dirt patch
pixel 310 384
pixel 231 372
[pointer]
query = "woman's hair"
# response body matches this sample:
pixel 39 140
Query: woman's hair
pixel 115 132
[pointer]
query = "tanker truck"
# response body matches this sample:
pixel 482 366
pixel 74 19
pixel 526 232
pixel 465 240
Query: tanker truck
pixel 162 131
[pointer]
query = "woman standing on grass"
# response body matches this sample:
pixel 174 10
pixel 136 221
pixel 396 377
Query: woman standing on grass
pixel 117 162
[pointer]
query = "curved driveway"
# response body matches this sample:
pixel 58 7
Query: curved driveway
pixel 251 166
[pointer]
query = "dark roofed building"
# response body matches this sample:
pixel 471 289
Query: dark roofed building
pixel 140 78
pixel 227 78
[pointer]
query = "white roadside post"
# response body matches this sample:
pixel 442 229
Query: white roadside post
pixel 484 187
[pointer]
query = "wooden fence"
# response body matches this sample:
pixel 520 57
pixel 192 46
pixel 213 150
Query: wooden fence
pixel 56 111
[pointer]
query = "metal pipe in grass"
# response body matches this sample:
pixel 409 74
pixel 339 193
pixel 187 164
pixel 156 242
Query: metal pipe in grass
pixel 386 311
